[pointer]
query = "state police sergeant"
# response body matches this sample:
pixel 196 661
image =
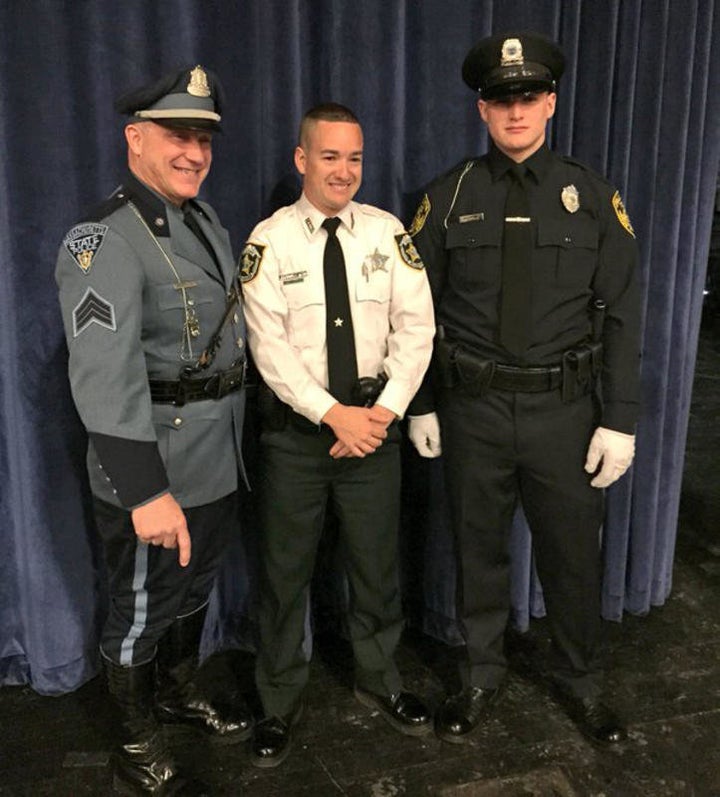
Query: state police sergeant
pixel 148 291
pixel 532 263
pixel 329 435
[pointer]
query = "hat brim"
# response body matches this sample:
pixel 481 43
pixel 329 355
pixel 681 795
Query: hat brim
pixel 188 124
pixel 511 89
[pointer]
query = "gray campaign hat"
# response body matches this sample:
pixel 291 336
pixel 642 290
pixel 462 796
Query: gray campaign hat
pixel 512 63
pixel 188 98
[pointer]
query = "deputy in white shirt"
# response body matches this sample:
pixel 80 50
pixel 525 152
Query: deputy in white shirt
pixel 318 446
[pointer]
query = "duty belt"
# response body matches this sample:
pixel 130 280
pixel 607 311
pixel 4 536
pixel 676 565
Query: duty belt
pixel 184 391
pixel 535 379
pixel 575 375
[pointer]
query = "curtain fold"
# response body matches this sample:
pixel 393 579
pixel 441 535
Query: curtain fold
pixel 640 102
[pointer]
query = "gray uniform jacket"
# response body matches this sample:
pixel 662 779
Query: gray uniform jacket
pixel 125 311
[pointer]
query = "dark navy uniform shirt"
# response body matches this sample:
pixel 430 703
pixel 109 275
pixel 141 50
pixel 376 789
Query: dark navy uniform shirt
pixel 583 249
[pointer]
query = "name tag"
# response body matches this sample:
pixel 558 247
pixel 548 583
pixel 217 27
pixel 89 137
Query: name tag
pixel 471 217
pixel 294 276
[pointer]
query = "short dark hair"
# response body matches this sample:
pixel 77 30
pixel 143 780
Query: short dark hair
pixel 325 112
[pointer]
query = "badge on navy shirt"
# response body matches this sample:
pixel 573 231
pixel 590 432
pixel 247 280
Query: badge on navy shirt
pixel 83 242
pixel 250 260
pixel 570 197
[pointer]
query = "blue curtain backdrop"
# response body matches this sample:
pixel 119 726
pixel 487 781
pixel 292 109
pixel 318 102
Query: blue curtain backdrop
pixel 640 102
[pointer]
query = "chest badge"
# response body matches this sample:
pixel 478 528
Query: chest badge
pixel 570 197
pixel 374 262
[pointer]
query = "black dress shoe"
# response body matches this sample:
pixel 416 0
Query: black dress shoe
pixel 273 739
pixel 594 719
pixel 403 710
pixel 461 714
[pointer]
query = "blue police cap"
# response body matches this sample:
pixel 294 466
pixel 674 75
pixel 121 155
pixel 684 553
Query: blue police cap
pixel 512 63
pixel 188 98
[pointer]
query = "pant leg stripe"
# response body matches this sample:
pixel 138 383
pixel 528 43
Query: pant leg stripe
pixel 141 603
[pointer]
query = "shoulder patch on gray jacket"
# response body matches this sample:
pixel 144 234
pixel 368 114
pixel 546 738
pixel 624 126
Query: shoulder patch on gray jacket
pixel 83 242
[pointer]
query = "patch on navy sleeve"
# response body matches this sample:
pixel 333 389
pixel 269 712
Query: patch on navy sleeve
pixel 621 213
pixel 83 242
pixel 420 215
pixel 408 252
pixel 250 260
pixel 93 309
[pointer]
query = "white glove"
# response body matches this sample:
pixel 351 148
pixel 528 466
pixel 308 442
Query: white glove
pixel 615 449
pixel 424 432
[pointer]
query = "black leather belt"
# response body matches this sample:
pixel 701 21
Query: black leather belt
pixel 184 391
pixel 533 379
pixel 305 425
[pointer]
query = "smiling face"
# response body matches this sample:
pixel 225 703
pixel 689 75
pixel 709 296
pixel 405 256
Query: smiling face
pixel 173 162
pixel 330 160
pixel 517 123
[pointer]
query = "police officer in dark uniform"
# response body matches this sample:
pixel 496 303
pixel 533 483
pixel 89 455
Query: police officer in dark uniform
pixel 149 299
pixel 532 263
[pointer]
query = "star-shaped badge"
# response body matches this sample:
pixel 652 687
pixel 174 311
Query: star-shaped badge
pixel 376 262
pixel 338 322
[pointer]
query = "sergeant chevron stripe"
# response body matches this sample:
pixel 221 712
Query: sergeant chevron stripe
pixel 93 309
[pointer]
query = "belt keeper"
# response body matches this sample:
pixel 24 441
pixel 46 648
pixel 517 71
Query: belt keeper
pixel 569 376
pixel 181 394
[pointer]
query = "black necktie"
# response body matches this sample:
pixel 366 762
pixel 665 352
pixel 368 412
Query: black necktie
pixel 192 223
pixel 342 363
pixel 516 296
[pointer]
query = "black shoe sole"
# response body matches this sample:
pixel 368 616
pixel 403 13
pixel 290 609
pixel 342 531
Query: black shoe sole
pixel 368 701
pixel 454 738
pixel 271 761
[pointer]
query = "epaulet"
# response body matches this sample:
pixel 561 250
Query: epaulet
pixel 106 208
pixel 456 170
pixel 580 165
pixel 373 211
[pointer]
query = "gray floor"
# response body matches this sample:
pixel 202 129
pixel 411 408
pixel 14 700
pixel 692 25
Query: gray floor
pixel 664 677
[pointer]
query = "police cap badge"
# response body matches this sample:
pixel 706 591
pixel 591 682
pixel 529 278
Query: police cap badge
pixel 188 98
pixel 513 63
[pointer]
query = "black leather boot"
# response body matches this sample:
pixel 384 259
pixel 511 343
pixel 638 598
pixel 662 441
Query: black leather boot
pixel 180 700
pixel 143 763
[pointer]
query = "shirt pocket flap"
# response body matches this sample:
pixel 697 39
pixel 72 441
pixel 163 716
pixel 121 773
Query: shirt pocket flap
pixel 469 234
pixel 568 233
pixel 170 298
pixel 304 294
